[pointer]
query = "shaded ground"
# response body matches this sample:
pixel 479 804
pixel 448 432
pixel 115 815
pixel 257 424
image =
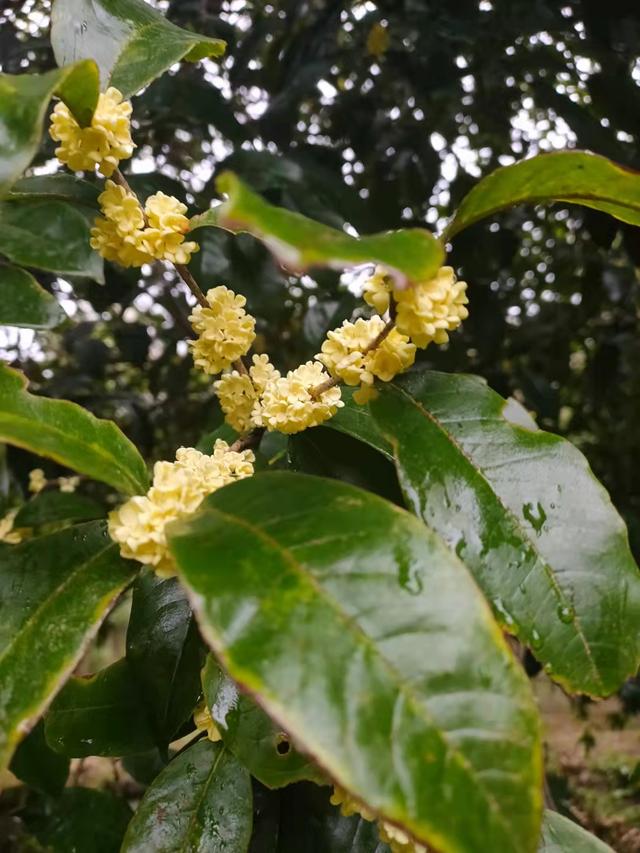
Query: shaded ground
pixel 594 765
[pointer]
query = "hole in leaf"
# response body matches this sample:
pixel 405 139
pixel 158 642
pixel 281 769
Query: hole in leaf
pixel 283 747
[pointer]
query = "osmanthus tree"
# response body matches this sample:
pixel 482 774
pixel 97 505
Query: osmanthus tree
pixel 330 594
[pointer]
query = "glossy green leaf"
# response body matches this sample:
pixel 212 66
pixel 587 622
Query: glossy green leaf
pixel 69 434
pixel 165 653
pixel 54 593
pixel 50 235
pixel 38 766
pixel 61 187
pixel 523 511
pixel 54 507
pixel 24 100
pixel 357 421
pixel 367 641
pixel 335 454
pixel 201 802
pixel 560 835
pixel 260 746
pixel 299 243
pixel 579 177
pixel 83 820
pixel 99 714
pixel 131 42
pixel 24 303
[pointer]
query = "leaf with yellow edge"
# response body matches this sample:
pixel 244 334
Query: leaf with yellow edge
pixel 298 243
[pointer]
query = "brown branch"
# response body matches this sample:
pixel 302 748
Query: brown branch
pixel 249 441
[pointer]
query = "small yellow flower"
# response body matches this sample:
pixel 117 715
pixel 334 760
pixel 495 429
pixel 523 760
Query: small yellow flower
pixel 377 290
pixel 7 532
pixel 287 404
pixel 68 484
pixel 348 354
pixel 225 331
pixel 203 721
pixel 365 394
pixel 37 481
pixel 178 489
pixel 237 395
pixel 428 311
pixel 262 372
pixel 398 841
pixel 104 143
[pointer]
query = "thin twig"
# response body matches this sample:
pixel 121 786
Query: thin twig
pixel 249 441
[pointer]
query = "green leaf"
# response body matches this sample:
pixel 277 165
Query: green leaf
pixel 54 593
pixel 201 801
pixel 24 99
pixel 366 640
pixel 247 731
pixel 131 42
pixel 578 177
pixel 83 820
pixel 38 766
pixel 99 714
pixel 61 187
pixel 50 235
pixel 560 835
pixel 24 303
pixel 57 507
pixel 523 511
pixel 165 653
pixel 332 453
pixel 357 421
pixel 69 434
pixel 298 243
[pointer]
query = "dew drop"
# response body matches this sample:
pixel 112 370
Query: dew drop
pixel 566 613
pixel 460 547
pixel 501 610
pixel 536 639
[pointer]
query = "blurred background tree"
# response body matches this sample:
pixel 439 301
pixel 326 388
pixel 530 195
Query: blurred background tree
pixel 369 115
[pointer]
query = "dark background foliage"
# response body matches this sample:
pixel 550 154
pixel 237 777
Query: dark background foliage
pixel 376 114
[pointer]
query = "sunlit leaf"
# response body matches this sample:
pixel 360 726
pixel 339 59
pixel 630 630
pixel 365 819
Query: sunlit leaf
pixel 131 42
pixel 579 177
pixel 24 100
pixel 560 835
pixel 69 434
pixel 299 243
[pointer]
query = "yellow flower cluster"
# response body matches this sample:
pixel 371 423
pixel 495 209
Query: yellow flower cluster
pixel 132 236
pixel 179 487
pixel 426 312
pixel 104 143
pixel 348 355
pixel 398 841
pixel 239 393
pixel 287 404
pixel 203 721
pixel 225 331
